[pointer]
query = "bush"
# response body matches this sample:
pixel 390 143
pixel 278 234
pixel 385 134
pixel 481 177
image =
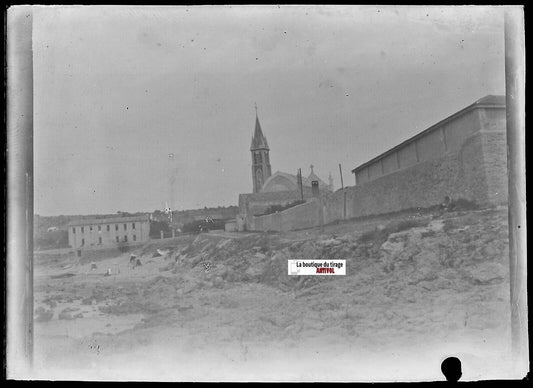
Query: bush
pixel 408 224
pixel 278 208
pixel 203 226
pixel 375 235
pixel 51 240
pixel 156 227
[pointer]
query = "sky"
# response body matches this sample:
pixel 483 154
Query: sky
pixel 139 107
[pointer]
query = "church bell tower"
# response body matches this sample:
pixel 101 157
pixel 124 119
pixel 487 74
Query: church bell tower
pixel 261 169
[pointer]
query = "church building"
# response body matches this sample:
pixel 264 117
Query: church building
pixel 263 179
pixel 280 188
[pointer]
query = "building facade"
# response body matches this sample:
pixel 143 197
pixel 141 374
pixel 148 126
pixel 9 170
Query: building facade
pixel 108 232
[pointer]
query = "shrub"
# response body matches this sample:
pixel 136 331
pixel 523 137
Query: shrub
pixel 156 227
pixel 408 224
pixel 375 235
pixel 278 208
pixel 51 240
pixel 203 226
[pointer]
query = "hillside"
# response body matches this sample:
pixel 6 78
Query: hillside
pixel 221 305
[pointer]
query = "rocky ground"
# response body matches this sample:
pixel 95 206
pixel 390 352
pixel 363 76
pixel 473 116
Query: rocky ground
pixel 220 306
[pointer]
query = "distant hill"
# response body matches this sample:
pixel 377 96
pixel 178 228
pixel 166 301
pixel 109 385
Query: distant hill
pixel 182 217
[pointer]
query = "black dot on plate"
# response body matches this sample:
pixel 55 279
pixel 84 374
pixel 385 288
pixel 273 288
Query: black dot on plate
pixel 451 369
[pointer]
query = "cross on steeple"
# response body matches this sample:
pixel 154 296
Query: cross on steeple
pixel 311 166
pixel 255 106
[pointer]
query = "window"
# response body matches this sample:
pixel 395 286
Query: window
pixel 125 226
pixel 259 178
pixel 133 225
pixel 125 238
pixel 108 228
pixel 116 226
pixel 100 240
pixel 116 238
pixel 82 229
pixel 134 238
pixel 99 228
pixel 74 230
pixel 82 242
pixel 90 228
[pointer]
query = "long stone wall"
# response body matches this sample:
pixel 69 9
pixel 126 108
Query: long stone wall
pixel 478 172
pixel 257 203
pixel 306 215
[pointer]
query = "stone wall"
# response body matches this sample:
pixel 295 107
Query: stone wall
pixel 478 172
pixel 306 215
pixel 96 254
pixel 257 203
pixel 495 162
pixel 230 226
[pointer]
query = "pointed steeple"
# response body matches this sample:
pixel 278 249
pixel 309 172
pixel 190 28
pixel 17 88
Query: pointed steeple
pixel 259 140
pixel 261 169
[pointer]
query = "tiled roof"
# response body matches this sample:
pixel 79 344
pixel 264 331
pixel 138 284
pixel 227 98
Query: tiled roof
pixel 313 177
pixel 487 101
pixel 109 220
pixel 294 179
